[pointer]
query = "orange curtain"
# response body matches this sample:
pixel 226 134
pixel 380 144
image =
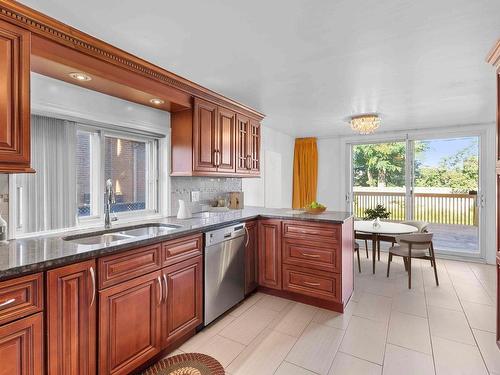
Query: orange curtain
pixel 305 172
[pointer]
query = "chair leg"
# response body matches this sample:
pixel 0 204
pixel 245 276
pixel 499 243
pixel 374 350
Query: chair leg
pixel 409 272
pixel 359 262
pixel 389 264
pixel 405 262
pixel 366 248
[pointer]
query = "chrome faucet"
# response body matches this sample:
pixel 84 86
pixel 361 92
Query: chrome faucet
pixel 110 199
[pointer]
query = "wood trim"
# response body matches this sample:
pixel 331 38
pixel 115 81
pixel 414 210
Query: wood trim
pixel 22 346
pixel 27 293
pixel 493 57
pixel 47 27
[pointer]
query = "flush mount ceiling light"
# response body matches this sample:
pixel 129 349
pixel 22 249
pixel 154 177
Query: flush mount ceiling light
pixel 79 76
pixel 365 124
pixel 157 101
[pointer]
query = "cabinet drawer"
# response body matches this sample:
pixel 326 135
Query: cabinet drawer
pixel 20 297
pixel 313 231
pixel 181 249
pixel 311 283
pixel 304 253
pixel 117 268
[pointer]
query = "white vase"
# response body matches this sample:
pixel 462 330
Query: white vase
pixel 376 223
pixel 184 210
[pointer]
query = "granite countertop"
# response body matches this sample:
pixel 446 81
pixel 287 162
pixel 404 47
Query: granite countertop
pixel 34 254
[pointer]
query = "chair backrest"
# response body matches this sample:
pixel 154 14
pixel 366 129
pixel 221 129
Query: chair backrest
pixel 418 241
pixel 420 225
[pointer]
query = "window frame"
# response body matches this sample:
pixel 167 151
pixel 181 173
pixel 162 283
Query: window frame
pixel 155 186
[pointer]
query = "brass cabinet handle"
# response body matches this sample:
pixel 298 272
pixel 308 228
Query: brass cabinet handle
pixel 7 302
pixel 161 291
pixel 311 284
pixel 310 255
pixel 92 277
pixel 166 286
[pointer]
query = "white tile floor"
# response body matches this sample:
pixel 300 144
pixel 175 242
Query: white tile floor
pixel 387 329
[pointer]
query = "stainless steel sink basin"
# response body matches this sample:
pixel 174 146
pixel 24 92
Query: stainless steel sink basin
pixel 122 234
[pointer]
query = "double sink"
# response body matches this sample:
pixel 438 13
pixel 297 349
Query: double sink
pixel 112 236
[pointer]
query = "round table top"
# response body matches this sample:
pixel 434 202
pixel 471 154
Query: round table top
pixel 386 227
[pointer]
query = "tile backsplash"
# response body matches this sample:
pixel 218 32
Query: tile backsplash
pixel 210 189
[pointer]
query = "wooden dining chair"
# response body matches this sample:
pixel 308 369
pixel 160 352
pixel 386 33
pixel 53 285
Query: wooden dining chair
pixel 413 246
pixel 356 250
pixel 364 237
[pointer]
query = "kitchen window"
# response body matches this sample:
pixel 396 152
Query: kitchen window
pixel 72 162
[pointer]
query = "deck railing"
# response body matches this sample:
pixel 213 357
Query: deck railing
pixel 436 208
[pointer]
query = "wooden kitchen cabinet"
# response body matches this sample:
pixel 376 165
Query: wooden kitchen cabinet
pixel 254 148
pixel 71 319
pixel 212 140
pixel 251 263
pixel 21 346
pixel 204 136
pixel 247 145
pixel 14 99
pixel 269 250
pixel 129 323
pixel 183 290
pixel 226 141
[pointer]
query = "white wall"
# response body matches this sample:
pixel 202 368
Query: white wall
pixel 330 168
pixel 333 171
pixel 257 189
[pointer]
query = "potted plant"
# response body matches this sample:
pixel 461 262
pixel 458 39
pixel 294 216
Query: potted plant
pixel 378 212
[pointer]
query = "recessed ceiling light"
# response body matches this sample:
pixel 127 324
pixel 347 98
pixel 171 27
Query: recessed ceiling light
pixel 156 101
pixel 79 76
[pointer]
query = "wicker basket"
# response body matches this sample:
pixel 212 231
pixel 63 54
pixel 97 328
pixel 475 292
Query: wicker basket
pixel 318 210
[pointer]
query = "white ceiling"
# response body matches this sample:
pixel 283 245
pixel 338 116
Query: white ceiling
pixel 309 64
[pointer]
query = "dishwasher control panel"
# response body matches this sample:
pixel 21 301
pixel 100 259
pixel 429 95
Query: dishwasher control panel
pixel 224 234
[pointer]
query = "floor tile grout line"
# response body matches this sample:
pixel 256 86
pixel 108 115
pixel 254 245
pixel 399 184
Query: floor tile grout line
pixel 429 324
pixel 468 322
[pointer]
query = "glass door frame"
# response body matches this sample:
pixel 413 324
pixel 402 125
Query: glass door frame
pixel 410 139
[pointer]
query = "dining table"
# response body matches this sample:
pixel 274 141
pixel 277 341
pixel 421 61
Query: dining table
pixel 383 229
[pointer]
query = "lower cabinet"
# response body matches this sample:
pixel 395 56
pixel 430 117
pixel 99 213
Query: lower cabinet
pixel 183 309
pixel 269 239
pixel 71 319
pixel 129 323
pixel 251 263
pixel 21 346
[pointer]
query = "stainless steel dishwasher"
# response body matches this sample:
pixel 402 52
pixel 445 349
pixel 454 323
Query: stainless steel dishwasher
pixel 224 270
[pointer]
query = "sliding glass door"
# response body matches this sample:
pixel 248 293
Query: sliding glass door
pixel 379 179
pixel 431 180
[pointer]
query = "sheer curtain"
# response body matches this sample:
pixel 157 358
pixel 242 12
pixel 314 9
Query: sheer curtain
pixel 47 198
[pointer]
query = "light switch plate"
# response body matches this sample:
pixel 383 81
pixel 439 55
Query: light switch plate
pixel 195 196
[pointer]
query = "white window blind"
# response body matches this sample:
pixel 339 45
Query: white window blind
pixel 46 199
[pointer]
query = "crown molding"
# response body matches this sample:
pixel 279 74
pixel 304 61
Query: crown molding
pixel 493 57
pixel 47 27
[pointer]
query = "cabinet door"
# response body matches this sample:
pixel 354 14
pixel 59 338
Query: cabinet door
pixel 184 293
pixel 71 319
pixel 226 141
pixel 204 136
pixel 14 98
pixel 242 143
pixel 270 253
pixel 254 148
pixel 21 346
pixel 251 275
pixel 129 323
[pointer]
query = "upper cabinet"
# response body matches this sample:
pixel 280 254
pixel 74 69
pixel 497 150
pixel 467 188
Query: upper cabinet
pixel 14 98
pixel 211 140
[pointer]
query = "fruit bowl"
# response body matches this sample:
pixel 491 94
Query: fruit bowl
pixel 316 210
